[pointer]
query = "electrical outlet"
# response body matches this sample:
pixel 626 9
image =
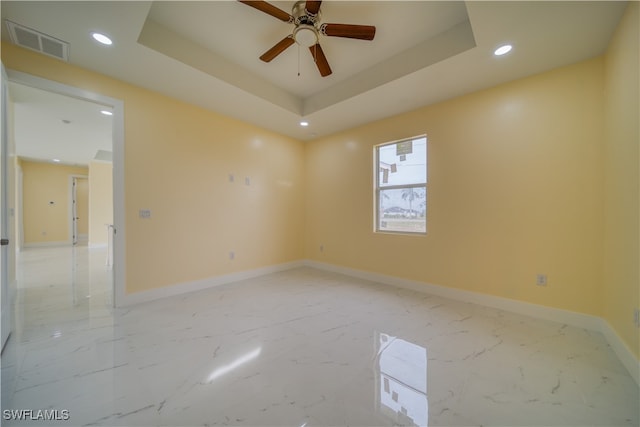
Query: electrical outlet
pixel 636 317
pixel 144 213
pixel 321 248
pixel 247 181
pixel 231 177
pixel 541 280
pixel 232 255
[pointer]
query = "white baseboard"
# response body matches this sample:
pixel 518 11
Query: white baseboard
pixel 47 244
pixel 198 285
pixel 572 318
pixel 506 304
pixel 621 349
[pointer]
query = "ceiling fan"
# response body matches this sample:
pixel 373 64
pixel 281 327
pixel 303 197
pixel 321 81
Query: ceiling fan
pixel 305 15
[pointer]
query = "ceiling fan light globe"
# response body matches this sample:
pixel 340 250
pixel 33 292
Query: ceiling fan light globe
pixel 305 35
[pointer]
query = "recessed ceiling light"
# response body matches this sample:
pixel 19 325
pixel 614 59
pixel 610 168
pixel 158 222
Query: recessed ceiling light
pixel 303 123
pixel 56 160
pixel 107 112
pixel 101 38
pixel 503 50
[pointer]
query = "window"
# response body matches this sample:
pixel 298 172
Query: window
pixel 401 186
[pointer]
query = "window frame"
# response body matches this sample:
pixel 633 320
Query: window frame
pixel 377 188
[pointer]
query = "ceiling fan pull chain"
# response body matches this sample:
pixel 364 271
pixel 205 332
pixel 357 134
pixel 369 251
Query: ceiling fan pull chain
pixel 298 60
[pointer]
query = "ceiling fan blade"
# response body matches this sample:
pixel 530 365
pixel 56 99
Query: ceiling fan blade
pixel 269 9
pixel 313 6
pixel 320 60
pixel 277 49
pixel 362 32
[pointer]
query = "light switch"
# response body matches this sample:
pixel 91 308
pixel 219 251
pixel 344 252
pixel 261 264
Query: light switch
pixel 144 213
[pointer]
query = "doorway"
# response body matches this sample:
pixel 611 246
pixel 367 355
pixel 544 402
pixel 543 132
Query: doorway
pixel 115 160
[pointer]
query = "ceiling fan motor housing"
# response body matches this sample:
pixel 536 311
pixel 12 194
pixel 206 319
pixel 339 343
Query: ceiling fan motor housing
pixel 306 32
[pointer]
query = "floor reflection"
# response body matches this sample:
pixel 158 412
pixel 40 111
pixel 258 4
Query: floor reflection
pixel 236 363
pixel 401 384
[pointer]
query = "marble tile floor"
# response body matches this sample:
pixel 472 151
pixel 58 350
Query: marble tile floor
pixel 298 348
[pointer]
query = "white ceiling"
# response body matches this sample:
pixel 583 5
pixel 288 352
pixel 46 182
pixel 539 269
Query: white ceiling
pixel 50 126
pixel 212 26
pixel 206 52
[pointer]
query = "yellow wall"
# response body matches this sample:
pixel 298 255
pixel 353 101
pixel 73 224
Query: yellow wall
pixel 178 158
pixel 515 189
pixel 100 201
pixel 43 183
pixel 621 154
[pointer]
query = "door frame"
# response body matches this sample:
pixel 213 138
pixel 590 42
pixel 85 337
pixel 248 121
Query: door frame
pixel 73 208
pixel 117 106
pixel 6 310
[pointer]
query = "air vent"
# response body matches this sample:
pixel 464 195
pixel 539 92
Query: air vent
pixel 40 42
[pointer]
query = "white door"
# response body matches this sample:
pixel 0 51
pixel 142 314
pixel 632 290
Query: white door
pixel 5 320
